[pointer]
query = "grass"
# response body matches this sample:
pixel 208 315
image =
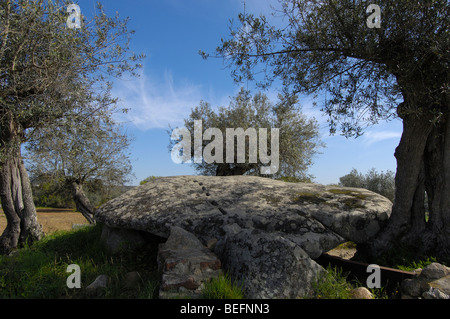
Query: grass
pixel 39 271
pixel 332 285
pixel 336 285
pixel 222 287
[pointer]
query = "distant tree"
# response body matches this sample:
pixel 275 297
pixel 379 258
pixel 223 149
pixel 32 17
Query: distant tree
pixel 381 183
pixel 48 192
pixel 91 153
pixel 365 74
pixel 48 72
pixel 298 138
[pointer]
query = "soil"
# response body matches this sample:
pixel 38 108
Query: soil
pixel 52 219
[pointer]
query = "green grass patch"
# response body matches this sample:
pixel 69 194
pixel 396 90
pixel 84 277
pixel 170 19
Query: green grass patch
pixel 222 287
pixel 332 285
pixel 308 197
pixel 353 201
pixel 40 271
pixel 348 192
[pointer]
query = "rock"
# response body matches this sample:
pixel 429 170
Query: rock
pixel 434 293
pixel 413 287
pixel 267 265
pixel 316 217
pixel 361 293
pixel 185 265
pixel 443 284
pixel 435 271
pixel 304 219
pixel 98 287
pixel 433 282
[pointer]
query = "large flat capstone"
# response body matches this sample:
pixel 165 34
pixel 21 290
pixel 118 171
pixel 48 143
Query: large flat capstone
pixel 304 217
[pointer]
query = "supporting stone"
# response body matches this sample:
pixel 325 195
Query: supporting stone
pixel 185 265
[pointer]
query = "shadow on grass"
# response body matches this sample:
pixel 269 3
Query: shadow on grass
pixel 40 271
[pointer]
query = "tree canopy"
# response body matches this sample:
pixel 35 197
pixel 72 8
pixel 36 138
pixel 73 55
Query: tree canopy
pixel 298 140
pixel 325 47
pixel 94 151
pixel 49 71
pixel 382 183
pixel 364 75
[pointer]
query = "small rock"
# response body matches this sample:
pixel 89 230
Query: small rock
pixel 98 287
pixel 435 271
pixel 412 287
pixel 433 282
pixel 443 284
pixel 435 293
pixel 361 293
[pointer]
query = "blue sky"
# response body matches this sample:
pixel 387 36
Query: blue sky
pixel 175 78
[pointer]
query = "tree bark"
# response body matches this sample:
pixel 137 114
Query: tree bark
pixel 18 206
pixel 82 202
pixel 437 171
pixel 423 171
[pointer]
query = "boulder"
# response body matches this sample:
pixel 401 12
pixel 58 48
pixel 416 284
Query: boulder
pixel 361 293
pixel 316 217
pixel 433 282
pixel 267 265
pixel 185 265
pixel 98 287
pixel 304 218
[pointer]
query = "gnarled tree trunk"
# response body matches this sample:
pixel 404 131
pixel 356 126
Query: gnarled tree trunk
pixel 437 184
pixel 82 202
pixel 18 206
pixel 423 174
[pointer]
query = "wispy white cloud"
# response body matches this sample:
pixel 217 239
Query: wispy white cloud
pixel 157 102
pixel 372 137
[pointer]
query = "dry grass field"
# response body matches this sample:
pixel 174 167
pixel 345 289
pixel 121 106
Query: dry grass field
pixel 52 219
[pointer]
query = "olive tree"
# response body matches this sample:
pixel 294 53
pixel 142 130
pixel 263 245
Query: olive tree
pixel 298 139
pixel 382 183
pixel 94 151
pixel 369 65
pixel 49 70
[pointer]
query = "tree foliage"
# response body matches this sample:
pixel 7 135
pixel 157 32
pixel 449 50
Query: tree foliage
pixel 50 72
pixel 381 183
pixel 91 153
pixel 298 138
pixel 93 150
pixel 326 47
pixel 364 75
